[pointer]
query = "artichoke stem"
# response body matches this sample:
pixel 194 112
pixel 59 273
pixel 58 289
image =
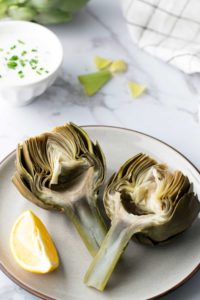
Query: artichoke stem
pixel 106 259
pixel 89 224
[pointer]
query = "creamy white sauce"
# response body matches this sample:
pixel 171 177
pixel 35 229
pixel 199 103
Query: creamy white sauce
pixel 32 60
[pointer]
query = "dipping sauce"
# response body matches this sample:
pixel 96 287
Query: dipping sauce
pixel 22 59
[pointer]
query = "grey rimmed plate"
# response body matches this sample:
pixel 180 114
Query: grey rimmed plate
pixel 143 272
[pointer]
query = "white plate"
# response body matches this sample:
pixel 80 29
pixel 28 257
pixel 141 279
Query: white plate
pixel 143 272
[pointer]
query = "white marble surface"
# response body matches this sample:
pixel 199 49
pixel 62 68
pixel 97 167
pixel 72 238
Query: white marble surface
pixel 169 111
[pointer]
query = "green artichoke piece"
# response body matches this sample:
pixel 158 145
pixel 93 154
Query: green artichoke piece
pixel 41 11
pixel 63 170
pixel 93 82
pixel 146 199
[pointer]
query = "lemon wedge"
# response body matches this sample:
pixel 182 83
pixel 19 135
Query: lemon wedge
pixel 32 246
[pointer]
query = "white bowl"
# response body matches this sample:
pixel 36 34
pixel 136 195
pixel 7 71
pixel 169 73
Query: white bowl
pixel 21 92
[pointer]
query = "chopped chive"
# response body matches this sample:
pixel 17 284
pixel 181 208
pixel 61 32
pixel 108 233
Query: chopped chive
pixel 33 62
pixel 22 62
pixel 21 74
pixel 14 57
pixel 14 61
pixel 12 65
pixel 20 42
pixel 23 53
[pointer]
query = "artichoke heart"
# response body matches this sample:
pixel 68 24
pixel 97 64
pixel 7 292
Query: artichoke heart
pixel 63 170
pixel 144 199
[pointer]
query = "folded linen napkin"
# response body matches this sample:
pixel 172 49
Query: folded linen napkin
pixel 167 29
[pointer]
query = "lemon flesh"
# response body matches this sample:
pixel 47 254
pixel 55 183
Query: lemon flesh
pixel 32 246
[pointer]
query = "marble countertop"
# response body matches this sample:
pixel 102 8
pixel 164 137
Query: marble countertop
pixel 169 111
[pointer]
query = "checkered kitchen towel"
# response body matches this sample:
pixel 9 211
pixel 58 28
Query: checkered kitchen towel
pixel 168 29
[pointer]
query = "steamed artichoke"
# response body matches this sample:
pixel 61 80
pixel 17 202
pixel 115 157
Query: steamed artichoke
pixel 41 11
pixel 63 170
pixel 143 198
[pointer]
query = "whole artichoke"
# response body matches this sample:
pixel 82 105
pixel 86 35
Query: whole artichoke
pixel 41 11
pixel 63 170
pixel 146 199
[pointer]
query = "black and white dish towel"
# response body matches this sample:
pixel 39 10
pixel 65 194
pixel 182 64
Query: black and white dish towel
pixel 167 29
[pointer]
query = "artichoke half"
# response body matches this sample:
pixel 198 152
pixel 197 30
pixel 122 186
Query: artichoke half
pixel 41 11
pixel 63 170
pixel 146 199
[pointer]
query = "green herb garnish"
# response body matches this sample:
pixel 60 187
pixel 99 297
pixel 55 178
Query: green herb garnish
pixel 15 61
pixel 23 53
pixel 22 62
pixel 14 57
pixel 12 64
pixel 20 42
pixel 33 62
pixel 21 74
